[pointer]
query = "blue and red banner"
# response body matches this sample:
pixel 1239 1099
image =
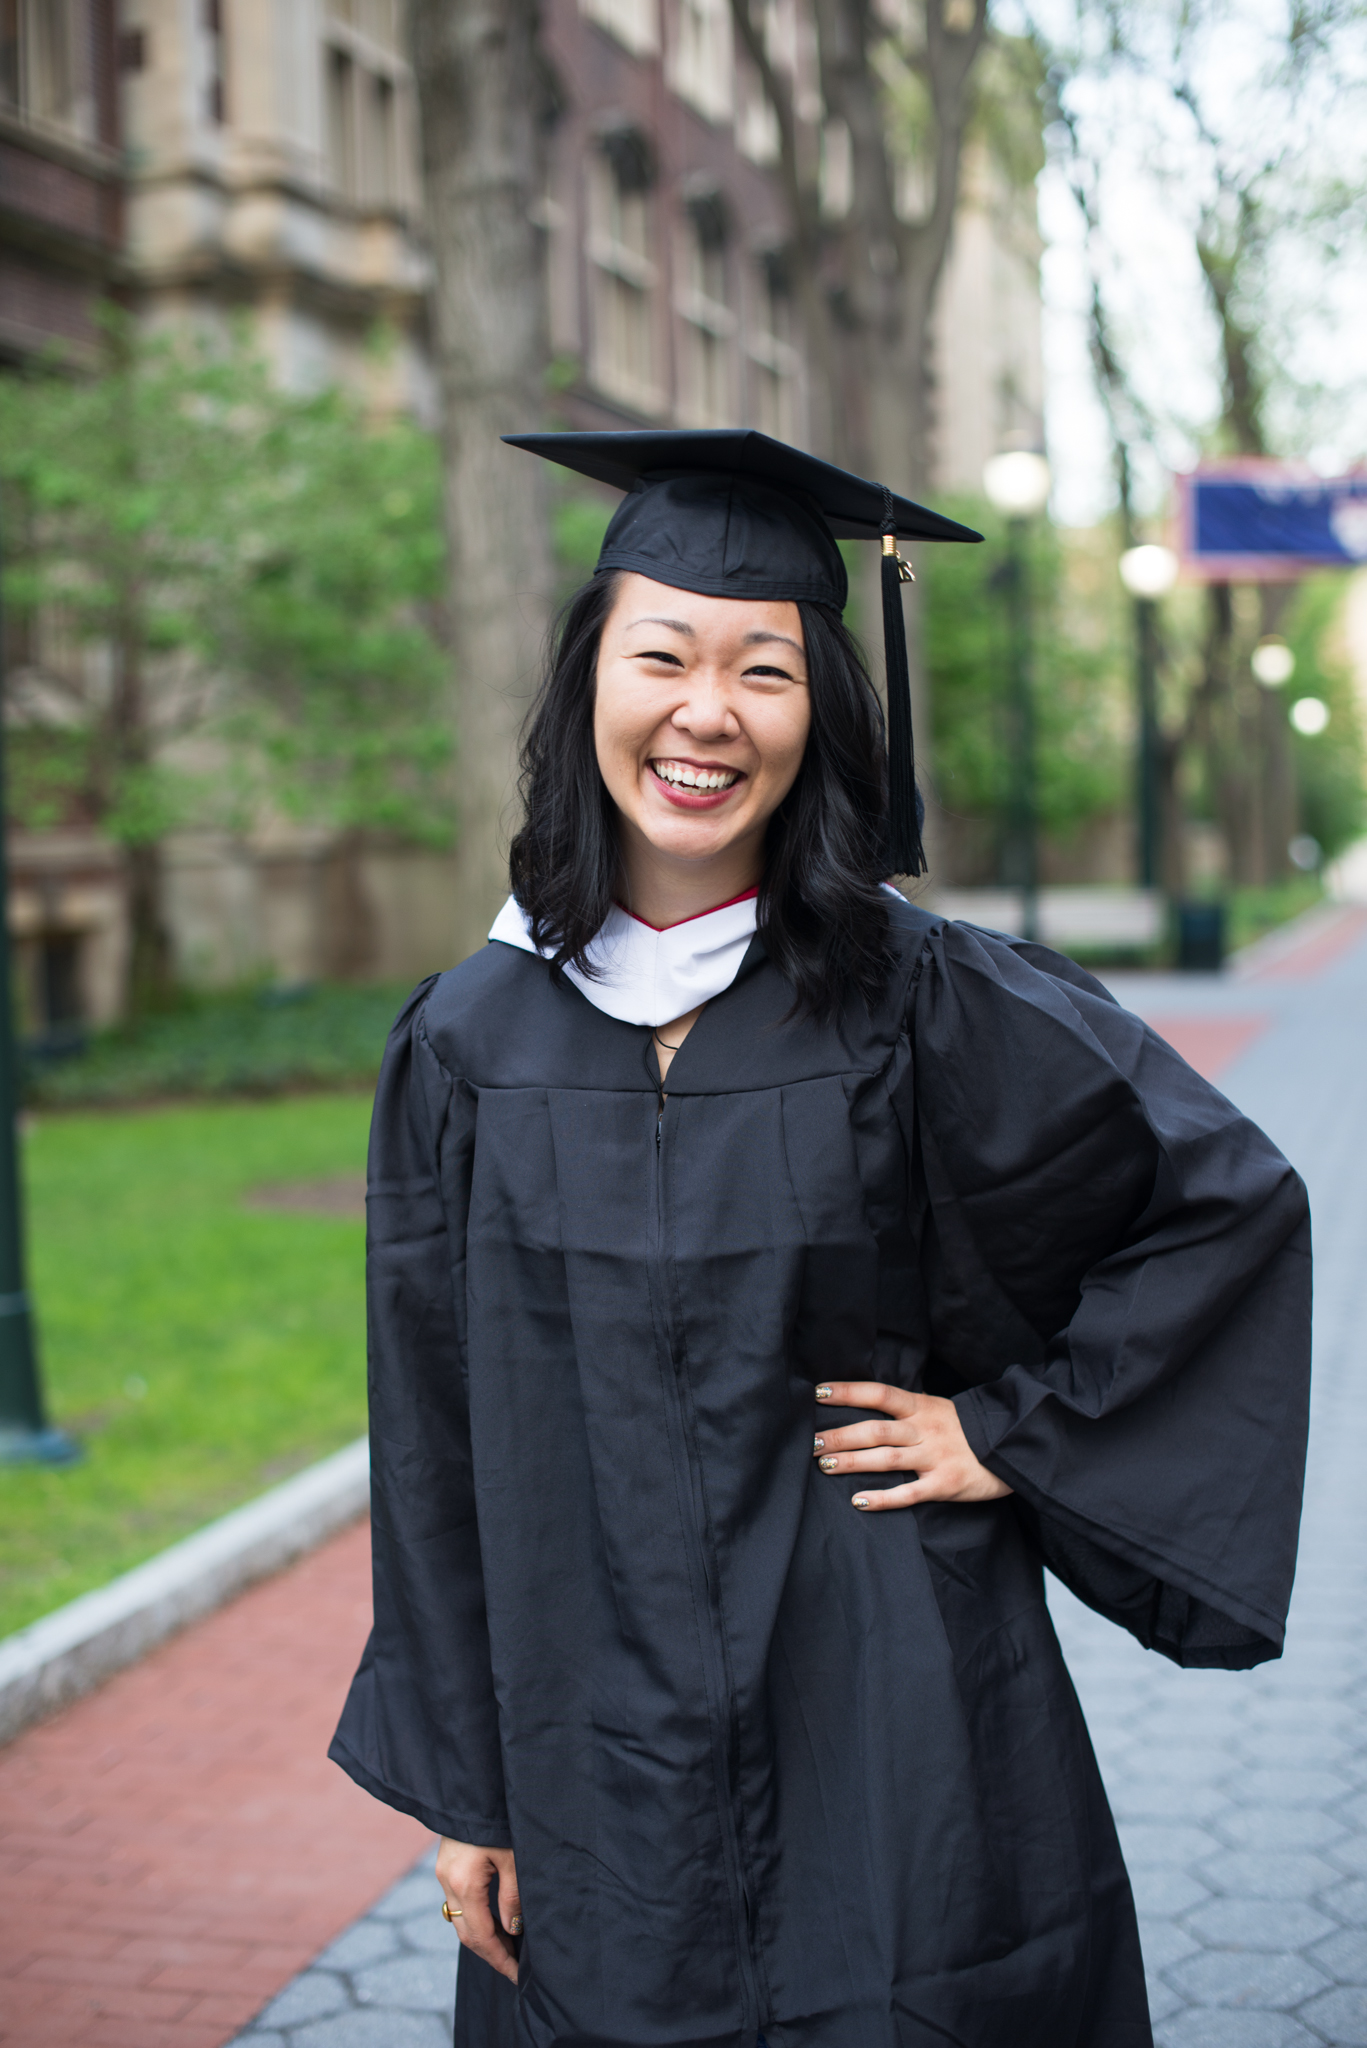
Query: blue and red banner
pixel 1254 520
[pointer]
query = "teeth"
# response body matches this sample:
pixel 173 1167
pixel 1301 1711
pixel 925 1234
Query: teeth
pixel 679 773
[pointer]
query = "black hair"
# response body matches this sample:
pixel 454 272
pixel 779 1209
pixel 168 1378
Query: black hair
pixel 821 913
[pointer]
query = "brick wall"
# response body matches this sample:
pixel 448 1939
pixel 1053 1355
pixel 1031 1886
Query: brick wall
pixel 39 303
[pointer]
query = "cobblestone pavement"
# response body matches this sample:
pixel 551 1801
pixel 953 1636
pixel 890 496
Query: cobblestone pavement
pixel 1241 1797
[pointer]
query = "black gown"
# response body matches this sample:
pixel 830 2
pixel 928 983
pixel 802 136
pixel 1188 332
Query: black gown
pixel 768 1763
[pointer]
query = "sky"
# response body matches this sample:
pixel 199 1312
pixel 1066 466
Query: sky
pixel 1154 175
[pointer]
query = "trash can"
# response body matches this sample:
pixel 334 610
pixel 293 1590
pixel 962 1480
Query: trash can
pixel 1201 937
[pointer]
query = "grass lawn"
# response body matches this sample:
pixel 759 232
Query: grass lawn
pixel 201 1349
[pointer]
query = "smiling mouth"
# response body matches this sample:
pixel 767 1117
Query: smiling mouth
pixel 703 781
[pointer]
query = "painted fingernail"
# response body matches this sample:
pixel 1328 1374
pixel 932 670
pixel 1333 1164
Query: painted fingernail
pixel 828 1464
pixel 515 1924
pixel 823 1393
pixel 861 1500
pixel 819 1443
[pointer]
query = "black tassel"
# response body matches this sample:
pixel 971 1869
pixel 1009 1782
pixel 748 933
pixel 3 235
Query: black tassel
pixel 906 855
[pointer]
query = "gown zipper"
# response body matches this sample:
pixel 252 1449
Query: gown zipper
pixel 718 1685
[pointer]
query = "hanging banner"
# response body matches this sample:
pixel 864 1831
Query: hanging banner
pixel 1253 520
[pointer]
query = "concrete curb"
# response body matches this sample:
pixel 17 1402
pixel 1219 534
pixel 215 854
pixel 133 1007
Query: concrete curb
pixel 72 1651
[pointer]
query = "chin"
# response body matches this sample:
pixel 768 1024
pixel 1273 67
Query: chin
pixel 686 841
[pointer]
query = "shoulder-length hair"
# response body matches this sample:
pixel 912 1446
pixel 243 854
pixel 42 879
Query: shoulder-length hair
pixel 821 913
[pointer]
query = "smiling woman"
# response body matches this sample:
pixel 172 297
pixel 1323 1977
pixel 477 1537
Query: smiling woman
pixel 727 682
pixel 767 1278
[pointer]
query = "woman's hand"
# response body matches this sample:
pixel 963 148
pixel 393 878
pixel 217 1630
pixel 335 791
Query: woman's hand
pixel 465 1874
pixel 923 1435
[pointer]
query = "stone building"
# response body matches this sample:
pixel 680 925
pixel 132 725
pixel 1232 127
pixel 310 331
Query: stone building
pixel 269 167
pixel 61 240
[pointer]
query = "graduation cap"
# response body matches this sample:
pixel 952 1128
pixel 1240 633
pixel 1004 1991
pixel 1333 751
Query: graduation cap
pixel 733 513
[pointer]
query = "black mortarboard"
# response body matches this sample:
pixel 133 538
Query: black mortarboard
pixel 735 514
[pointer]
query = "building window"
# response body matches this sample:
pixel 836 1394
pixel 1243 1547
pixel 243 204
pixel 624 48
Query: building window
pixel 365 95
pixel 635 23
pixel 215 88
pixel 772 350
pixel 700 57
pixel 59 980
pixel 707 365
pixel 341 123
pixel 44 65
pixel 757 130
pixel 623 273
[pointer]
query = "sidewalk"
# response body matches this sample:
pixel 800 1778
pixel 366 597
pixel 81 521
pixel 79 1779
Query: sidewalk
pixel 176 1847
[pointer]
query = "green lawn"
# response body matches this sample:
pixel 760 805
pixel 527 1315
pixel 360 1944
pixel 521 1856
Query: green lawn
pixel 200 1349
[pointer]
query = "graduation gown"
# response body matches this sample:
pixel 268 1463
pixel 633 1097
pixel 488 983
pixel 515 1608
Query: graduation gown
pixel 768 1763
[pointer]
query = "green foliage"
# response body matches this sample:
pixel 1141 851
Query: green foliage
pixel 1331 767
pixel 208 1350
pixel 247 1042
pixel 1081 714
pixel 220 560
pixel 46 768
pixel 579 519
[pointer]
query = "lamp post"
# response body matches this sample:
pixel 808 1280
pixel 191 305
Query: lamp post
pixel 1017 485
pixel 26 1436
pixel 1148 573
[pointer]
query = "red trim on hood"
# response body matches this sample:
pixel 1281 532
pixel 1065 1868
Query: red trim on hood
pixel 744 897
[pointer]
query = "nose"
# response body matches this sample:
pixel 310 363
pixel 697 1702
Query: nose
pixel 706 711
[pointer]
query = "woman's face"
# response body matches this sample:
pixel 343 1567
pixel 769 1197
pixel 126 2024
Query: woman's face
pixel 701 716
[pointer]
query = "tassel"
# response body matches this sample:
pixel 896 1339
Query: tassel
pixel 906 855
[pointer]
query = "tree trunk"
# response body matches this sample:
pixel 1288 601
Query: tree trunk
pixel 866 285
pixel 150 978
pixel 476 67
pixel 127 758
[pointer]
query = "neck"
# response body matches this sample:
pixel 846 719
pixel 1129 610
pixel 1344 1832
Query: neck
pixel 665 890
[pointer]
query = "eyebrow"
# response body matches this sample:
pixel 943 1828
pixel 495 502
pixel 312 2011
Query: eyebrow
pixel 755 639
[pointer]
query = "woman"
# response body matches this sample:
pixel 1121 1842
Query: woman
pixel 767 1277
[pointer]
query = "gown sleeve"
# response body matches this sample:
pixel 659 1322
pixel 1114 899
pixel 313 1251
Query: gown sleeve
pixel 1118 1264
pixel 420 1725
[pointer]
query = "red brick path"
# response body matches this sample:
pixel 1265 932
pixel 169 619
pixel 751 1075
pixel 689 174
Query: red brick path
pixel 1210 1044
pixel 174 1848
pixel 1320 949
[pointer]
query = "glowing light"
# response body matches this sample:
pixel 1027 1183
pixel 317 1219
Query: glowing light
pixel 1273 663
pixel 1148 571
pixel 1310 715
pixel 1017 483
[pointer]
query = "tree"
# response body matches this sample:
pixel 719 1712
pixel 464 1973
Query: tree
pixel 222 589
pixel 866 283
pixel 1245 172
pixel 478 76
pixel 1079 716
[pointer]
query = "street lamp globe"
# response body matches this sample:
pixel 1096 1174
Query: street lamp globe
pixel 1272 662
pixel 1310 715
pixel 1017 483
pixel 1148 571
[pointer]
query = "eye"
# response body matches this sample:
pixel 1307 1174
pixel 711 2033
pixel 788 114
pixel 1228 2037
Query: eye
pixel 657 654
pixel 760 668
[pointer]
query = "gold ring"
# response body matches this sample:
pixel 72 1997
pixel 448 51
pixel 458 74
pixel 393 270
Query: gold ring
pixel 447 1914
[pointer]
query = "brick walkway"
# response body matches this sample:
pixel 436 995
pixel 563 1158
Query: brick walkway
pixel 1242 1798
pixel 177 1847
